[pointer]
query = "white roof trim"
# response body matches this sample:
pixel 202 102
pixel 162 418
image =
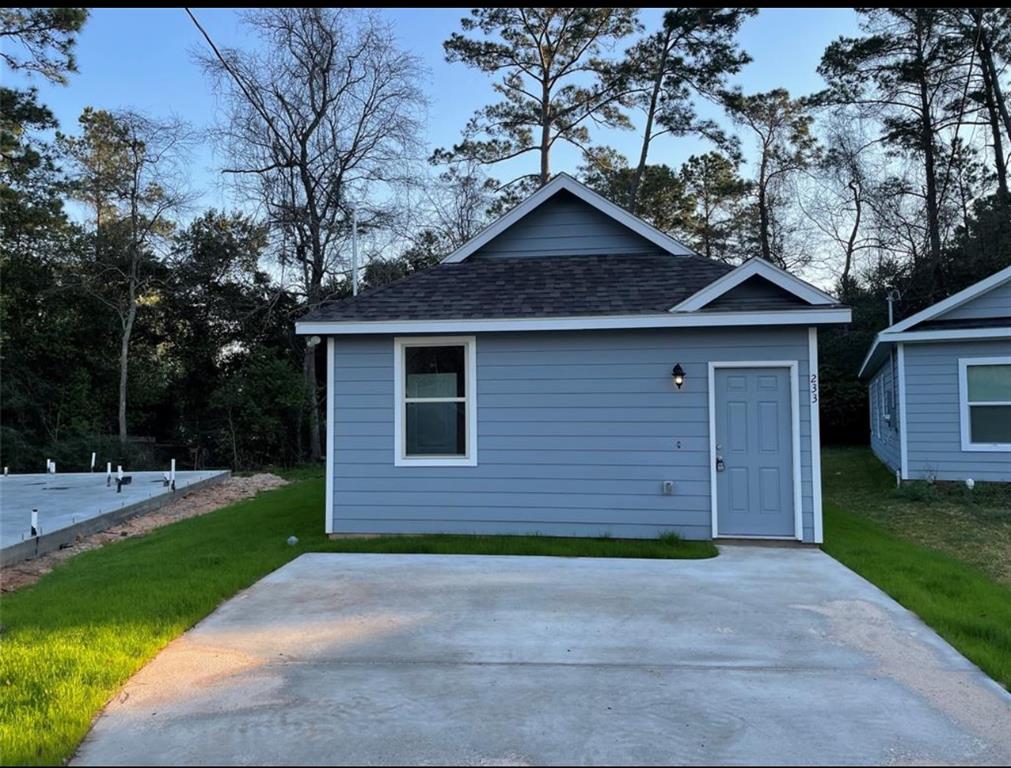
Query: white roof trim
pixel 891 336
pixel 953 301
pixel 751 268
pixel 584 193
pixel 802 317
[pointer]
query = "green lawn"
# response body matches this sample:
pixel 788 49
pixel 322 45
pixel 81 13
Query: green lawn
pixel 942 552
pixel 69 642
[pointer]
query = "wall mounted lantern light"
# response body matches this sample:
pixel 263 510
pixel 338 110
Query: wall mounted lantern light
pixel 678 374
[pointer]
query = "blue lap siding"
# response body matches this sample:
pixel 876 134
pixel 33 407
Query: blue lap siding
pixel 934 423
pixel 884 413
pixel 576 433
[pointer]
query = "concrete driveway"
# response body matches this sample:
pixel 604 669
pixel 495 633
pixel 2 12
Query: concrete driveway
pixel 762 655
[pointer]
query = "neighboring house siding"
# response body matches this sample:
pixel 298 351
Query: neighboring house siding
pixel 934 428
pixel 993 303
pixel 565 226
pixel 576 432
pixel 883 395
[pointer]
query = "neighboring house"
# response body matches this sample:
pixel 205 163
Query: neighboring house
pixel 573 371
pixel 940 387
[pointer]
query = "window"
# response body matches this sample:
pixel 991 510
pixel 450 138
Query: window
pixel 985 403
pixel 435 401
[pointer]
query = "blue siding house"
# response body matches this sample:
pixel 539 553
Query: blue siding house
pixel 573 371
pixel 939 384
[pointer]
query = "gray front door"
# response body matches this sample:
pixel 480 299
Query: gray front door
pixel 754 449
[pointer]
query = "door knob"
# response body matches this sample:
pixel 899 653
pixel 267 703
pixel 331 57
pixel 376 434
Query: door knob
pixel 720 464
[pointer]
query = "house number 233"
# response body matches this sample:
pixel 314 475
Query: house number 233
pixel 814 387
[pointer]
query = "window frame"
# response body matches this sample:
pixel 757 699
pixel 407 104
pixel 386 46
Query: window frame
pixel 400 345
pixel 965 423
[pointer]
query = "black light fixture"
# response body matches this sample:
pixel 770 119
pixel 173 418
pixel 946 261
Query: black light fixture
pixel 678 374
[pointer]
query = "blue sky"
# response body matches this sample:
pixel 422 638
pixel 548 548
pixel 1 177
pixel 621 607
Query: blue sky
pixel 142 59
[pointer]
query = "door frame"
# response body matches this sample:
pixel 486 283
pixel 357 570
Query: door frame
pixel 792 365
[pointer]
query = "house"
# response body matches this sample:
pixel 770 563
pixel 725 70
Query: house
pixel 940 387
pixel 573 371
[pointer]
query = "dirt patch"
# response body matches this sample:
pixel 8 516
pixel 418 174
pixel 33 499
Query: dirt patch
pixel 189 504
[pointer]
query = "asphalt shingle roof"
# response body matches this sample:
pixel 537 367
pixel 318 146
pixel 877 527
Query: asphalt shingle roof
pixel 551 286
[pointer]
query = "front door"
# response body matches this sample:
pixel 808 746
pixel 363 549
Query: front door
pixel 754 452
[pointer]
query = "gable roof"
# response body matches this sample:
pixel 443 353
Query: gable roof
pixel 754 267
pixel 565 182
pixel 925 326
pixel 663 288
pixel 548 286
pixel 955 300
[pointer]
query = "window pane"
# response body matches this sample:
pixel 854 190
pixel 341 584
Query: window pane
pixel 435 371
pixel 436 429
pixel 990 423
pixel 989 382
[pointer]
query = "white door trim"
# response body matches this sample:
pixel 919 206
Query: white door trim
pixel 330 458
pixel 815 390
pixel 798 513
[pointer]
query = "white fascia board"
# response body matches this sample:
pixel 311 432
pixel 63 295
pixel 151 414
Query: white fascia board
pixel 891 336
pixel 583 323
pixel 565 182
pixel 948 334
pixel 954 301
pixel 791 283
pixel 870 356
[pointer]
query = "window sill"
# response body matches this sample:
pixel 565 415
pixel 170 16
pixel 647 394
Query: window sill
pixel 987 447
pixel 441 461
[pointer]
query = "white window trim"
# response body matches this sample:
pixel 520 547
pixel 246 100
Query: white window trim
pixel 963 402
pixel 469 344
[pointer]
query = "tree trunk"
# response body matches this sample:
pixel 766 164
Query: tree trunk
pixel 309 371
pixel 314 291
pixel 633 193
pixel 998 96
pixel 124 360
pixel 545 132
pixel 993 113
pixel 929 168
pixel 763 211
pixel 851 243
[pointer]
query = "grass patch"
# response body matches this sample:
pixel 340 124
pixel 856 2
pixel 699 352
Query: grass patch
pixel 70 641
pixel 971 526
pixel 940 550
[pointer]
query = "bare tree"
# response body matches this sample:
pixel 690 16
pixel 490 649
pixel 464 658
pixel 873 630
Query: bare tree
pixel 129 170
pixel 323 116
pixel 781 130
pixel 838 196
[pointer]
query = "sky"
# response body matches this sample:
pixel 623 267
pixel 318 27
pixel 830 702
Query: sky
pixel 143 59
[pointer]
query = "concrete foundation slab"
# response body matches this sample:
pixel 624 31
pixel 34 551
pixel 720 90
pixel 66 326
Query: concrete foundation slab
pixel 769 656
pixel 79 503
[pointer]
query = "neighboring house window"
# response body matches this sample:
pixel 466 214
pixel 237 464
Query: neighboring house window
pixel 889 407
pixel 893 392
pixel 435 400
pixel 985 403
